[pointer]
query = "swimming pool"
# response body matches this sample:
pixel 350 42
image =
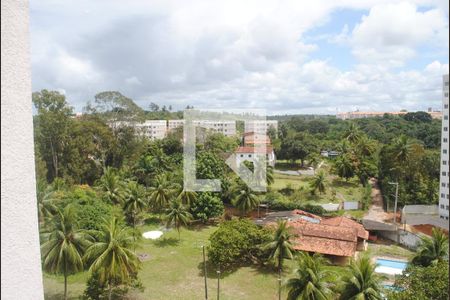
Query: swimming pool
pixel 391 267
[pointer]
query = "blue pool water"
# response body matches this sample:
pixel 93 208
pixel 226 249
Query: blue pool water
pixel 391 264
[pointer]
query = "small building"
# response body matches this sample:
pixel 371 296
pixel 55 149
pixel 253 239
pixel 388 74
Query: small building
pixel 252 139
pixel 362 233
pixel 246 153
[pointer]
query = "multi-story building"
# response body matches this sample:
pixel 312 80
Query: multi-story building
pixel 227 128
pixel 260 126
pixel 444 182
pixel 152 129
pixel 372 114
pixel 172 124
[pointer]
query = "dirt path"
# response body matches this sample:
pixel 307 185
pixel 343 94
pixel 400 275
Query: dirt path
pixel 376 211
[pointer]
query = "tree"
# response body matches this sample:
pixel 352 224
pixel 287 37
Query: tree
pixel 135 201
pixel 187 197
pixel 45 198
pixel 417 283
pixel 236 242
pixel 162 192
pixel 363 283
pixel 311 281
pixel 343 167
pixel 245 199
pixel 206 206
pixel 111 186
pixel 64 245
pixel 419 116
pixel 177 215
pixel 52 128
pixel 319 182
pixel 111 255
pixel 432 250
pixel 280 246
pixel 353 133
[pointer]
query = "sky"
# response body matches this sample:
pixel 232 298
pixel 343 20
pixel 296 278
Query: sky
pixel 286 57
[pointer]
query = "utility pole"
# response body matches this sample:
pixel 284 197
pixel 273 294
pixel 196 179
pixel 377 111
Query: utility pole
pixel 279 284
pixel 396 200
pixel 218 283
pixel 204 271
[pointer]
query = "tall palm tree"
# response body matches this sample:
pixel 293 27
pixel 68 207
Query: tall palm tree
pixel 111 186
pixel 64 245
pixel 111 255
pixel 432 250
pixel 177 215
pixel 245 199
pixel 311 279
pixel 403 148
pixel 45 198
pixel 319 182
pixel 187 197
pixel 352 134
pixel 314 161
pixel 135 201
pixel 363 283
pixel 162 192
pixel 280 246
pixel 366 146
pixel 343 167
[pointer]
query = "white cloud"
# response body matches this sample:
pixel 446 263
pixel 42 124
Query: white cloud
pixel 234 53
pixel 390 33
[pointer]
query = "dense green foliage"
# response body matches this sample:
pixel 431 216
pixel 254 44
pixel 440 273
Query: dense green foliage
pixel 236 242
pixel 419 283
pixel 206 206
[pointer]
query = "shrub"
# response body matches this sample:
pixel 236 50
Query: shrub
pixel 237 241
pixel 206 206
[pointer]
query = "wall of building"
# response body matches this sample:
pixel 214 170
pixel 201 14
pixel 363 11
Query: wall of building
pixel 21 265
pixel 444 171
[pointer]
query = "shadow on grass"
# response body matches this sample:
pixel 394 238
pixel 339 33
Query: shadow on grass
pixel 166 242
pixel 152 220
pixel 342 183
pixel 59 296
pixel 211 270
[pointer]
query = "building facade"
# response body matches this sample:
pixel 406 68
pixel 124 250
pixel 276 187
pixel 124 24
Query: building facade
pixel 260 126
pixel 152 129
pixel 444 182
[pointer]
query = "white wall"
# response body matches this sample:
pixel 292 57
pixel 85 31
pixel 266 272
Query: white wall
pixel 21 268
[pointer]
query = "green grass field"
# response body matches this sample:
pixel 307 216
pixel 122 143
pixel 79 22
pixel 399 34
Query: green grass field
pixel 173 270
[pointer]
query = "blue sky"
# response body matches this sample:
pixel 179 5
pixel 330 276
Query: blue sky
pixel 285 57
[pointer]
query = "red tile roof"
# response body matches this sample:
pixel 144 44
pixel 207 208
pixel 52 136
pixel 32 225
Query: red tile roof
pixel 349 223
pixel 325 239
pixel 247 149
pixel 305 213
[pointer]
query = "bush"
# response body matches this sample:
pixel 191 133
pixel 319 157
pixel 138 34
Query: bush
pixel 206 206
pixel 314 209
pixel 95 290
pixel 237 241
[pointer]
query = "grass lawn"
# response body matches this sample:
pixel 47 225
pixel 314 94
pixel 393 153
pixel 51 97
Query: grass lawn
pixel 174 271
pixel 350 190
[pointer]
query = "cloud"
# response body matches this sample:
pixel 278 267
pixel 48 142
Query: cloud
pixel 390 33
pixel 237 54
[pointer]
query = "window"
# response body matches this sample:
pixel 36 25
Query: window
pixel 443 173
pixel 242 155
pixel 445 117
pixel 445 128
pixel 444 162
pixel 445 106
pixel 446 218
pixel 443 184
pixel 442 195
pixel 446 94
pixel 442 206
pixel 445 140
pixel 444 151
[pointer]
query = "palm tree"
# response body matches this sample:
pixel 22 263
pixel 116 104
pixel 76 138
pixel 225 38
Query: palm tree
pixel 311 280
pixel 319 182
pixel 432 250
pixel 366 146
pixel 177 215
pixel 162 192
pixel 403 149
pixel 111 186
pixel 111 255
pixel 64 245
pixel 352 134
pixel 187 197
pixel 135 201
pixel 343 167
pixel 245 199
pixel 280 246
pixel 363 283
pixel 46 206
pixel 314 161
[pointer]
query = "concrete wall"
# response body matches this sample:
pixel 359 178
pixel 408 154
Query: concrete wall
pixel 21 267
pixel 405 238
pixel 351 205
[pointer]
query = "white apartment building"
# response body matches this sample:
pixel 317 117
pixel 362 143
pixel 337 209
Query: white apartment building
pixel 260 126
pixel 172 124
pixel 152 129
pixel 444 182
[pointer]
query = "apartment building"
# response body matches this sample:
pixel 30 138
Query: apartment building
pixel 260 126
pixel 172 124
pixel 372 114
pixel 444 178
pixel 152 129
